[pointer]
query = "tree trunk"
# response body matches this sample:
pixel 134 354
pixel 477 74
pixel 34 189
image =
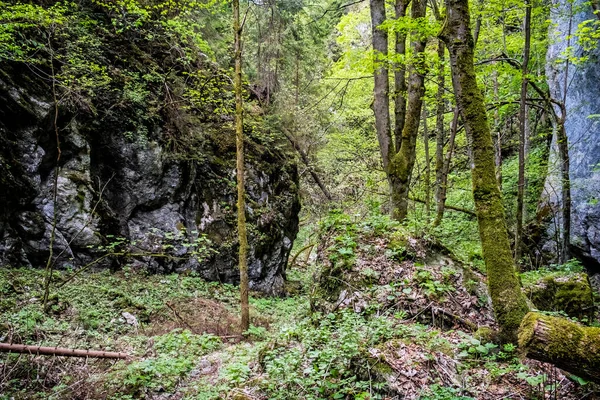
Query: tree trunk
pixel 306 162
pixel 563 152
pixel 443 189
pixel 562 141
pixel 427 166
pixel 401 166
pixel 439 126
pixel 508 301
pixel 522 136
pixel 566 344
pixel 400 77
pixel 498 135
pixel 381 102
pixel 241 193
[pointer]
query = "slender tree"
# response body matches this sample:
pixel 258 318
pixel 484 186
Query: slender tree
pixel 445 170
pixel 439 129
pixel 398 159
pixel 562 141
pixel 381 101
pixel 427 166
pixel 522 133
pixel 508 300
pixel 400 75
pixel 241 193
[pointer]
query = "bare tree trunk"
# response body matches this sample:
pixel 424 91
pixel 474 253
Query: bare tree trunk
pixel 306 162
pixel 381 102
pixel 427 166
pixel 522 136
pixel 241 193
pixel 401 166
pixel 508 301
pixel 439 125
pixel 563 151
pixel 400 77
pixel 443 189
pixel 477 25
pixel 562 141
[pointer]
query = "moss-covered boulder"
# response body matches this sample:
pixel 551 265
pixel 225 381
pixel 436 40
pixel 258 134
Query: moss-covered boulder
pixel 569 293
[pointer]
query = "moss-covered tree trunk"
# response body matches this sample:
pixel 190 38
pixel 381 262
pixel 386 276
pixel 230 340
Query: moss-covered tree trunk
pixel 508 300
pixel 564 343
pixel 241 193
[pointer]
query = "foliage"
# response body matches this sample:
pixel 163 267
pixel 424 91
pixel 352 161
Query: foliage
pixel 317 358
pixel 175 354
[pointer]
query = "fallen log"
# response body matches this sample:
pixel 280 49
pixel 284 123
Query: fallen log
pixel 58 351
pixel 566 344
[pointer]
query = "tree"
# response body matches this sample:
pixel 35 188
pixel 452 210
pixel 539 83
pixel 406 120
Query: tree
pixel 398 155
pixel 241 193
pixel 522 133
pixel 508 301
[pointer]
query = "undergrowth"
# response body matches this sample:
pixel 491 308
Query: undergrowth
pixel 179 331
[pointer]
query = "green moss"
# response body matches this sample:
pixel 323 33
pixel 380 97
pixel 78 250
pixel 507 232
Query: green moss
pixel 510 306
pixel 565 343
pixel 571 294
pixel 486 334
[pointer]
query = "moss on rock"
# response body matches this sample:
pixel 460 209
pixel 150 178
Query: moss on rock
pixel 571 294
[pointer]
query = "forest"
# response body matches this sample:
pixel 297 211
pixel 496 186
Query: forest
pixel 299 199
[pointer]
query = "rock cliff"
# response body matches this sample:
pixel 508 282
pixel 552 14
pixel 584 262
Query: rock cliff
pixel 161 196
pixel 582 127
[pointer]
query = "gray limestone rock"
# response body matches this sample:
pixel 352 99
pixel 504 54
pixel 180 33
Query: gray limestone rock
pixel 583 131
pixel 120 194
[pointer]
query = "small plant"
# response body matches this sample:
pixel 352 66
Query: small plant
pixel 432 286
pixel 176 354
pixel 474 349
pixel 438 392
pixel 256 332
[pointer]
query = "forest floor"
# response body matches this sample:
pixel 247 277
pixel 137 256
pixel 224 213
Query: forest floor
pixel 405 320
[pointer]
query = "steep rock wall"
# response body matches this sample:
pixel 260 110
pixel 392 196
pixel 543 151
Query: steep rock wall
pixel 111 185
pixel 582 127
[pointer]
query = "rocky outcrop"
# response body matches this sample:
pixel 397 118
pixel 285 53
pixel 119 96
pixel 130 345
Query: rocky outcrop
pixel 582 127
pixel 134 196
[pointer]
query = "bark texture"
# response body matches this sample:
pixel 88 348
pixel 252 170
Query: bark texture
pixel 568 345
pixel 401 166
pixel 522 134
pixel 241 192
pixel 400 76
pixel 381 102
pixel 439 125
pixel 445 170
pixel 508 301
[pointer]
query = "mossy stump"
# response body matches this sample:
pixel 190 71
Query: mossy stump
pixel 568 345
